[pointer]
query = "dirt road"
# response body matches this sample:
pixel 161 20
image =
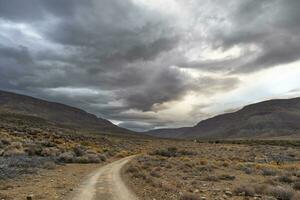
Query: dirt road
pixel 105 184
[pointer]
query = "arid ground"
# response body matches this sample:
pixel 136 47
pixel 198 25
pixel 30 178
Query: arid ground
pixel 192 171
pixel 162 169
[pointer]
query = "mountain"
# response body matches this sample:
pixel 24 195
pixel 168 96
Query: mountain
pixel 168 132
pixel 21 108
pixel 268 119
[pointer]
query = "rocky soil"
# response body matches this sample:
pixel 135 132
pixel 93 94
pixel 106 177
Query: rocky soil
pixel 46 184
pixel 198 171
pixel 47 163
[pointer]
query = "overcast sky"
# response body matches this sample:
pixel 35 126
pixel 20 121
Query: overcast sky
pixel 147 64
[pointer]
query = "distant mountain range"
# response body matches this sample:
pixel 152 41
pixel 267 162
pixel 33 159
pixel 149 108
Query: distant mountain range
pixel 24 108
pixel 269 119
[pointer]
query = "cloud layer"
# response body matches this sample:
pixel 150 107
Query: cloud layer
pixel 136 62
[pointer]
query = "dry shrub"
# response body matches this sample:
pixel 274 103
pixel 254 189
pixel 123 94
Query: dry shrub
pixel 271 182
pixel 123 154
pixel 132 169
pixel 285 179
pixel 248 170
pixel 102 157
pixel 203 162
pixel 211 178
pixel 150 180
pixel 206 168
pixel 155 173
pixel 296 185
pixel 49 165
pixel 34 149
pixel 156 183
pixel 169 152
pixel 169 188
pixel 136 172
pixel 79 150
pixel 226 177
pixel 245 190
pixel 268 172
pixel 240 166
pixel 90 158
pixel 173 152
pixel 225 164
pixel 281 193
pixel 190 196
pixel 260 188
pixel 67 157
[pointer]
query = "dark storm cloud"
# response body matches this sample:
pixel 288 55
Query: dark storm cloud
pixel 18 54
pixel 21 10
pixel 169 84
pixel 271 25
pixel 111 57
pixel 35 10
pixel 165 84
pixel 113 33
pixel 15 62
pixel 103 38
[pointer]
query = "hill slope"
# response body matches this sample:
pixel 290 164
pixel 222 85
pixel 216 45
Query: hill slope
pixel 32 109
pixel 274 118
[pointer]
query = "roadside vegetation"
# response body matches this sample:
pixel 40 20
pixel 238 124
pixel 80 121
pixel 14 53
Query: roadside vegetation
pixel 192 171
pixel 39 160
pixel 255 142
pixel 27 146
pixel 163 169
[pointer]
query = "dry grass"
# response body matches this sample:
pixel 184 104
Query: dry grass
pixel 201 170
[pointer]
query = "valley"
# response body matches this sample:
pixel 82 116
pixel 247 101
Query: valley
pixel 149 100
pixel 41 158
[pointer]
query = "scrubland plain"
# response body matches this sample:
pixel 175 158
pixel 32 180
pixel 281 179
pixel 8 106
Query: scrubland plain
pixel 192 171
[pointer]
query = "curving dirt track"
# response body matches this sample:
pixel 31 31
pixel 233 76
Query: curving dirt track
pixel 105 184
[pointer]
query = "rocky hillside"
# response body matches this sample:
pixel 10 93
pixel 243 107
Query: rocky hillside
pixel 22 109
pixel 37 134
pixel 273 118
pixel 168 132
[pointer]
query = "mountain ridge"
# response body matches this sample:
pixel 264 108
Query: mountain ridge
pixel 56 113
pixel 271 118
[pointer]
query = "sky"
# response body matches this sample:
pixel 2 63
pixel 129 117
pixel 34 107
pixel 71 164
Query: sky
pixel 146 64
